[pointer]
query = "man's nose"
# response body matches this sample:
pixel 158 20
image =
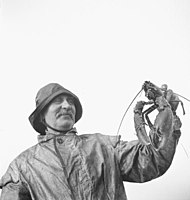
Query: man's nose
pixel 65 104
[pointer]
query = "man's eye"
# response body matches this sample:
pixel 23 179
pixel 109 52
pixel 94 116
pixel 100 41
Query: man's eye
pixel 70 101
pixel 57 100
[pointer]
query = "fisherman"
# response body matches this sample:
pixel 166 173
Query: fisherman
pixel 67 165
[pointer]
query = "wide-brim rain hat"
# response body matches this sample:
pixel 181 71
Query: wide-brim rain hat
pixel 44 96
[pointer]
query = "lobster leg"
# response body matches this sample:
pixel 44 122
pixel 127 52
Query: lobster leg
pixel 148 111
pixel 174 105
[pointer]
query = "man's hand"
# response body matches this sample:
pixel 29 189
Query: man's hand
pixel 139 106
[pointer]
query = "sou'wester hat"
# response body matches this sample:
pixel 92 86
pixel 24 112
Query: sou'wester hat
pixel 44 96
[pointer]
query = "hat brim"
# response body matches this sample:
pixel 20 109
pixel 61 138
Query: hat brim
pixel 35 120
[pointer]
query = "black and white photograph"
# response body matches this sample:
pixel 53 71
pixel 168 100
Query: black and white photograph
pixel 95 100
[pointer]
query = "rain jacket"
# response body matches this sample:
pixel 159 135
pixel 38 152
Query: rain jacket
pixel 83 167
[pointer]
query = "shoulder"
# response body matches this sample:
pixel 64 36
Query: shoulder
pixel 17 166
pixel 20 161
pixel 101 138
pixel 27 154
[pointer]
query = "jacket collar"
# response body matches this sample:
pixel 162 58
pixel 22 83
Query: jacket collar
pixel 49 136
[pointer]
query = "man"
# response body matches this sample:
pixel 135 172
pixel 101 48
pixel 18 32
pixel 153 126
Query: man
pixel 67 166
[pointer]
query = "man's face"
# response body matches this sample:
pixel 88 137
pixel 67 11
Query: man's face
pixel 60 114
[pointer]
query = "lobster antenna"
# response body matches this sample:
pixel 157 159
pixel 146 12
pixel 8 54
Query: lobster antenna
pixel 127 110
pixel 184 150
pixel 182 97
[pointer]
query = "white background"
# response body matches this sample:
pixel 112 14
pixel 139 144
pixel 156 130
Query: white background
pixel 103 51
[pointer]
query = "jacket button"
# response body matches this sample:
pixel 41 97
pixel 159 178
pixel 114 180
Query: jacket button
pixel 59 140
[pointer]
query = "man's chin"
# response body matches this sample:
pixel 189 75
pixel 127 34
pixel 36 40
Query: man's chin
pixel 66 126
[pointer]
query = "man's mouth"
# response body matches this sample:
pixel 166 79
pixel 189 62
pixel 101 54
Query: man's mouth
pixel 64 115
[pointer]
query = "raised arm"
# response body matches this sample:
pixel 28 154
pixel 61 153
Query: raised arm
pixel 151 155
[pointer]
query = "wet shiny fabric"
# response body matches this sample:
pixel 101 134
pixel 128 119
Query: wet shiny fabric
pixel 83 167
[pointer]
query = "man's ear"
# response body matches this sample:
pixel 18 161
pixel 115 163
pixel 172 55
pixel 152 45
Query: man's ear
pixel 42 120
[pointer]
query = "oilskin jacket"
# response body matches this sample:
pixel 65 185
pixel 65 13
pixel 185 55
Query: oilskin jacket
pixel 83 167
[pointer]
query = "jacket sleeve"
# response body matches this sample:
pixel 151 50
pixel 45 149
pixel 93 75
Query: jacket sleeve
pixel 12 186
pixel 142 163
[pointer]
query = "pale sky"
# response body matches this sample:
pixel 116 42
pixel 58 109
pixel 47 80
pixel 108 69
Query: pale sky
pixel 103 51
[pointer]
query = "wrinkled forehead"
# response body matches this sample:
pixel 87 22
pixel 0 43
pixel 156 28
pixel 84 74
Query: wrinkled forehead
pixel 62 97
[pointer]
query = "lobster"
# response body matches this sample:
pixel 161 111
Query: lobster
pixel 166 120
